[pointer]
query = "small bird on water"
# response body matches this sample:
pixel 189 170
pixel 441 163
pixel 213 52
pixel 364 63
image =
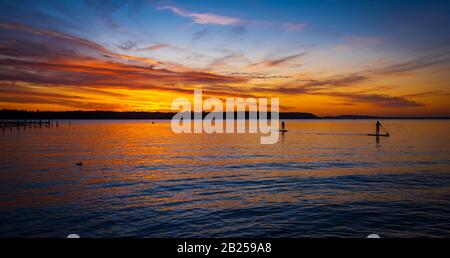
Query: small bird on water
pixel 79 164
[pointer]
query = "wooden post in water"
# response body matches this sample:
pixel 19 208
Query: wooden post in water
pixel 27 124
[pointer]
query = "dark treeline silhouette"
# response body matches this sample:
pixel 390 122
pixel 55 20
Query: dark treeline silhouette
pixel 23 114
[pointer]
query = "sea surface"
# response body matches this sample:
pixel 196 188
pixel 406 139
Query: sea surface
pixel 324 178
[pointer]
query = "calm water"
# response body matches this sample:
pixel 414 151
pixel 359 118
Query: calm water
pixel 322 179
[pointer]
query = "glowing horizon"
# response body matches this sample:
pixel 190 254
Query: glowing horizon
pixel 321 57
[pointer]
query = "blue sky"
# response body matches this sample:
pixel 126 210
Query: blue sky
pixel 414 23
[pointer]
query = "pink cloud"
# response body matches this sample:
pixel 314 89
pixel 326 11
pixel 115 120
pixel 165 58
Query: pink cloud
pixel 204 18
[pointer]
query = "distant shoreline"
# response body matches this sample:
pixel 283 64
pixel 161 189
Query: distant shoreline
pixel 112 115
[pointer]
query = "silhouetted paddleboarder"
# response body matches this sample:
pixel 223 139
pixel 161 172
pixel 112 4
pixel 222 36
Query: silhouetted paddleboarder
pixel 283 127
pixel 377 132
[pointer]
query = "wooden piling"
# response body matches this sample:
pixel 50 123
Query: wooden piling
pixel 24 124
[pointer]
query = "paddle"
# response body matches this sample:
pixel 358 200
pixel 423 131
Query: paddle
pixel 384 129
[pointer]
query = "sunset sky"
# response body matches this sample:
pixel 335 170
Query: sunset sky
pixel 323 57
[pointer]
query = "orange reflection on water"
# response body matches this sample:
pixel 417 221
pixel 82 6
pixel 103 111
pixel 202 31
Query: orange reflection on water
pixel 137 165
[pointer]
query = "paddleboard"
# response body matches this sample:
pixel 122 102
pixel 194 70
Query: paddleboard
pixel 282 130
pixel 379 135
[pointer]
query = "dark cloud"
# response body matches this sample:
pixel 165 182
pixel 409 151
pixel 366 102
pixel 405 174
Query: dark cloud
pixel 379 100
pixel 333 82
pixel 12 89
pixel 127 45
pixel 238 30
pixel 235 56
pixel 199 35
pixel 308 84
pixel 19 94
pixel 416 64
pixel 77 105
pixel 326 87
pixel 278 61
pixel 259 76
pixel 431 93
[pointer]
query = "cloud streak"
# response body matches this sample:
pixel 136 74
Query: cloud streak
pixel 415 64
pixel 277 61
pixel 378 100
pixel 204 18
pixel 155 47
pixel 328 86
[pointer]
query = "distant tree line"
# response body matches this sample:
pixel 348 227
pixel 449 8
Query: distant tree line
pixel 23 114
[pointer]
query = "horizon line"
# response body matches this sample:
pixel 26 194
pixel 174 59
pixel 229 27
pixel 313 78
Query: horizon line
pixel 298 113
